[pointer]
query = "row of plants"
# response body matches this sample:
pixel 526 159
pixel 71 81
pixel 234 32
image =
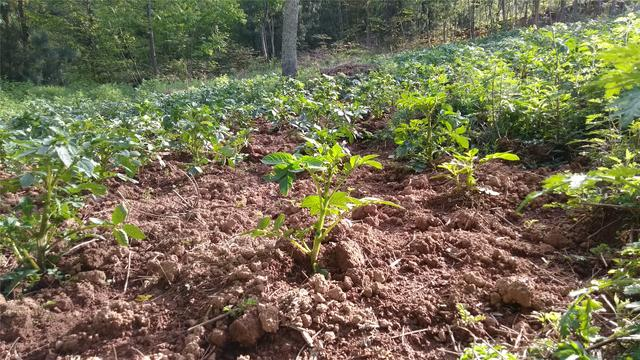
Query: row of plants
pixel 603 319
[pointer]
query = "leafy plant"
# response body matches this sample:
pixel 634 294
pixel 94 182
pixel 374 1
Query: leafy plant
pixel 206 138
pixel 487 352
pixel 461 169
pixel 580 336
pixel 57 175
pixel 436 130
pixel 329 168
pixel 240 308
pixel 465 316
pixel 617 186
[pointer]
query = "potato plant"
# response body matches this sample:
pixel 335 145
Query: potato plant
pixel 329 167
pixel 461 169
pixel 433 131
pixel 54 174
pixel 206 138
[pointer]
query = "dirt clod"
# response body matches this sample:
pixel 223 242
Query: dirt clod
pixel 335 293
pixel 95 277
pixel 349 255
pixel 246 330
pixel 218 337
pixel 113 320
pixel 167 270
pixel 515 290
pixel 16 320
pixel 269 318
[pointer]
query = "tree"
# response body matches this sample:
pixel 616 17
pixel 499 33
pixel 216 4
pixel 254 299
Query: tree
pixel 290 38
pixel 152 40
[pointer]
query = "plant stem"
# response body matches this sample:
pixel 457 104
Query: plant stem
pixel 41 237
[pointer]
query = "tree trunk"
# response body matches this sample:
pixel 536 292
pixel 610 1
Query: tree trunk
pixel 263 30
pixel 472 16
pixel 368 24
pixel 563 5
pixel 24 31
pixel 536 11
pixel 503 10
pixel 290 38
pixel 152 40
pixel 272 37
pixel 574 8
pixel 263 40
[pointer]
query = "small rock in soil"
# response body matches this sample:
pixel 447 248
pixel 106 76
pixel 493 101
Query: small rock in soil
pixel 363 212
pixel 16 321
pixel 515 290
pixel 329 336
pixel 319 284
pixel 349 255
pixel 218 337
pixel 229 226
pixel 556 238
pixel 92 258
pixel 95 277
pixel 425 222
pixel 269 320
pixel 335 293
pixel 167 270
pixel 347 283
pixel 246 330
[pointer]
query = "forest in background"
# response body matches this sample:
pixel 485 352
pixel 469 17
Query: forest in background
pixel 60 42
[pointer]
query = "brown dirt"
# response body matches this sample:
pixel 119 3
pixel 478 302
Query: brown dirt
pixel 393 271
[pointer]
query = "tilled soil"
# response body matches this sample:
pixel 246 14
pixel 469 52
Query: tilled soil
pixel 396 275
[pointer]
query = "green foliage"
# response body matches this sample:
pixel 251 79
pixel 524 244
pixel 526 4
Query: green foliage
pixel 487 352
pixel 206 138
pixel 580 337
pixel 53 169
pixel 461 169
pixel 438 131
pixel 465 316
pixel 617 186
pixel 329 168
pixel 239 309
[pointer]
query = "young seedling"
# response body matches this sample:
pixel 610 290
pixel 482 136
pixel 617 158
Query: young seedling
pixel 461 169
pixel 329 168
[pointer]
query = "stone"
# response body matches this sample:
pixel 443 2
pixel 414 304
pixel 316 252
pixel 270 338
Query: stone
pixel 349 255
pixel 95 277
pixel 269 317
pixel 515 290
pixel 246 330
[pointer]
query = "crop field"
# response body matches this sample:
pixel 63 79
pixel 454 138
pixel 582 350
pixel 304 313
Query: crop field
pixel 473 200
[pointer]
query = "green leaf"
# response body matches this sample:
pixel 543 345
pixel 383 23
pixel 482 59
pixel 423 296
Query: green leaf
pixel 313 203
pixel 632 290
pixel 96 189
pixel 133 231
pixel 27 180
pixel 264 223
pixel 278 158
pixel 119 214
pixel 121 237
pixel 96 221
pixel 502 156
pixel 277 224
pixel 372 200
pixel 527 200
pixel 64 155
